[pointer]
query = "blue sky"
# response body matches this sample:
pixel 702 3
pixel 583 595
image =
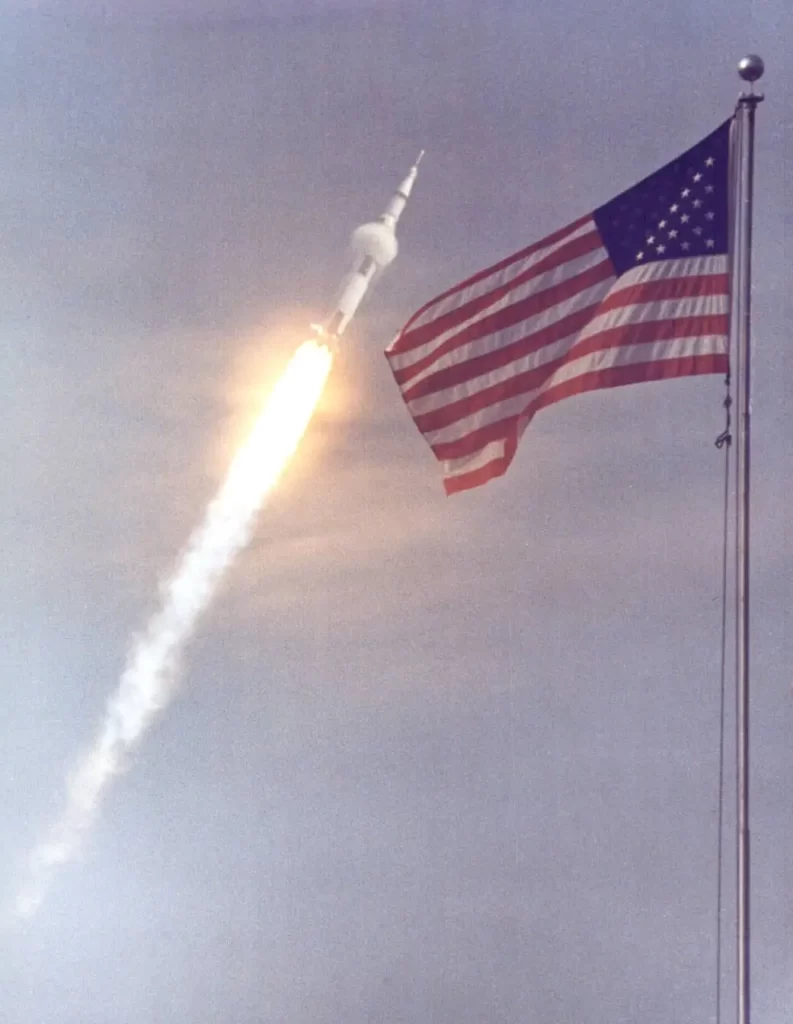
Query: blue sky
pixel 432 759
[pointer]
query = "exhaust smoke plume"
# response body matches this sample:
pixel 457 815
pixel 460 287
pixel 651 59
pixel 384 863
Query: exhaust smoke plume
pixel 148 682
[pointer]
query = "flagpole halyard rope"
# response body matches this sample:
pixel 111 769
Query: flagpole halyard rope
pixel 723 441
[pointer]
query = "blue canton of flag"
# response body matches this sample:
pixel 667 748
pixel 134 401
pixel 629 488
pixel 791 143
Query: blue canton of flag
pixel 680 210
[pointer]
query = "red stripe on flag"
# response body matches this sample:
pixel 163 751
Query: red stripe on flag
pixel 420 335
pixel 635 373
pixel 648 331
pixel 473 442
pixel 662 288
pixel 491 470
pixel 475 366
pixel 482 274
pixel 516 313
pixel 648 291
pixel 627 334
pixel 616 376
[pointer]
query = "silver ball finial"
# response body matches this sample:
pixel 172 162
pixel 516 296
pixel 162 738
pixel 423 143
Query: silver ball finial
pixel 751 67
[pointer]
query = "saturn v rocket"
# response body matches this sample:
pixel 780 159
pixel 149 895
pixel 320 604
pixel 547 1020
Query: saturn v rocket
pixel 374 246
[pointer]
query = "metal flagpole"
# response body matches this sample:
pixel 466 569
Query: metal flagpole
pixel 750 69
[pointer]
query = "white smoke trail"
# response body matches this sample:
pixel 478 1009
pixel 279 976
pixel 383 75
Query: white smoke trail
pixel 148 682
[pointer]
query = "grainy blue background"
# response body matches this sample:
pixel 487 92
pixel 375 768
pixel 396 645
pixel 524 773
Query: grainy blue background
pixel 448 760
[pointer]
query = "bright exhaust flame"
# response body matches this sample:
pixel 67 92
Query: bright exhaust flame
pixel 148 682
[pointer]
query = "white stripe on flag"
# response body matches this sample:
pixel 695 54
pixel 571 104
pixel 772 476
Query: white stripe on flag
pixel 623 355
pixel 498 279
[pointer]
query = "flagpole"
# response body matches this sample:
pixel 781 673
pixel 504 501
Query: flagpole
pixel 750 69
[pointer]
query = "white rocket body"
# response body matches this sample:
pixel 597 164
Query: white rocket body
pixel 374 246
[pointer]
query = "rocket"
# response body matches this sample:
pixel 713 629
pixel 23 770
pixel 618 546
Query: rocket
pixel 374 246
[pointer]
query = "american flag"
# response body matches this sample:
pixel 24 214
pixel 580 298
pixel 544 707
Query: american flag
pixel 636 291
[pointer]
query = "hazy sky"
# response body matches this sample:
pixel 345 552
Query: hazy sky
pixel 434 759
